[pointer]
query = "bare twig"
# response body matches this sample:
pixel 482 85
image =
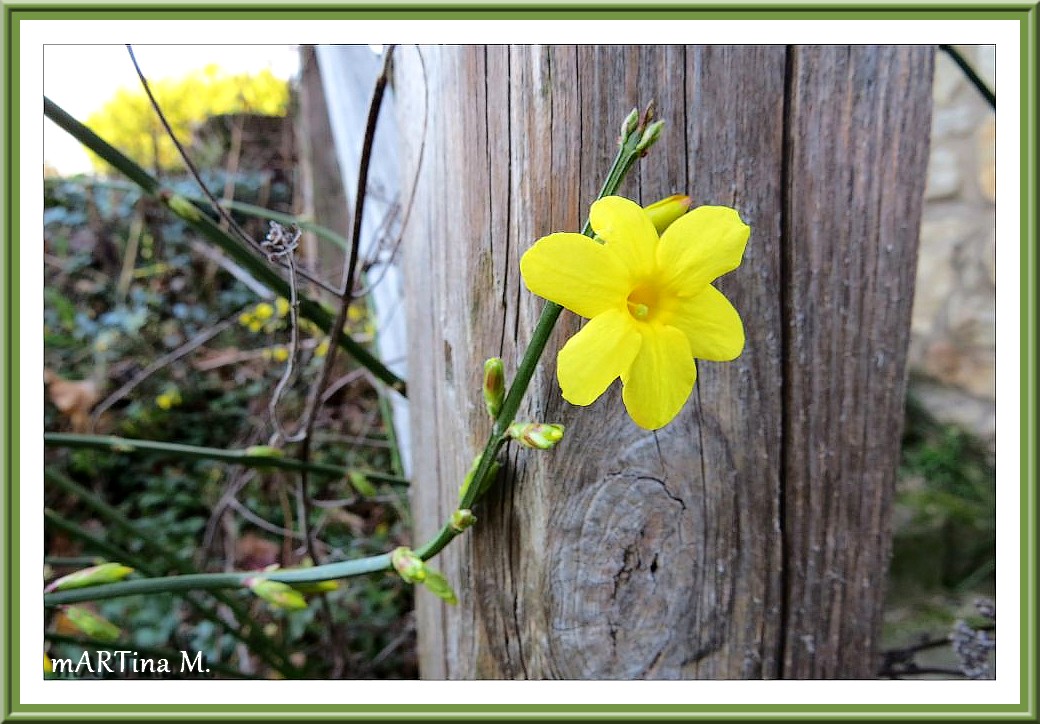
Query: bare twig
pixel 247 279
pixel 217 207
pixel 259 522
pixel 168 358
pixel 281 242
pixel 415 179
pixel 970 74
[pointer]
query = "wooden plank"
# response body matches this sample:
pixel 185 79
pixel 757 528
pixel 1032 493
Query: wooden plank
pixel 628 554
pixel 857 144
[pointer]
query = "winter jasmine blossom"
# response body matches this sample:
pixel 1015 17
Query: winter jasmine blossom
pixel 650 301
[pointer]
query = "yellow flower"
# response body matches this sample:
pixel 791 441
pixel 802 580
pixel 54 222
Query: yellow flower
pixel 263 310
pixel 650 301
pixel 281 306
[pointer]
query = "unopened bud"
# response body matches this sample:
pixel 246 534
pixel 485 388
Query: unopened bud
pixel 280 595
pixel 182 207
pixel 360 482
pixel 93 576
pixel 408 565
pixel 494 386
pixel 462 519
pixel 263 451
pixel 308 589
pixel 666 211
pixel 91 624
pixel 438 585
pixel 630 124
pixel 468 480
pixel 488 479
pixel 650 136
pixel 537 435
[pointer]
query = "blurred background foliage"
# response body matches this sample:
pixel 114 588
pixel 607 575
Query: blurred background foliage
pixel 127 286
pixel 944 535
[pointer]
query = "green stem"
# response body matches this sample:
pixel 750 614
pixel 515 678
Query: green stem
pixel 201 222
pixel 73 561
pixel 241 206
pixel 624 160
pixel 214 581
pixel 128 446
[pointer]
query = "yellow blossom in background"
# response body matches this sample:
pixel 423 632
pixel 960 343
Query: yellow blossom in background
pixel 322 349
pixel 650 301
pixel 355 313
pixel 169 399
pixel 128 121
pixel 281 305
pixel 263 310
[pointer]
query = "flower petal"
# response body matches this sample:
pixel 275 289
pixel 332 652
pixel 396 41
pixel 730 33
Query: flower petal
pixel 595 356
pixel 627 230
pixel 711 325
pixel 700 247
pixel 661 377
pixel 575 272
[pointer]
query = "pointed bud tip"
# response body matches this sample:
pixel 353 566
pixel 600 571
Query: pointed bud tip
pixel 494 386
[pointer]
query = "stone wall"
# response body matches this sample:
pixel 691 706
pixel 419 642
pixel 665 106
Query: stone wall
pixel 952 347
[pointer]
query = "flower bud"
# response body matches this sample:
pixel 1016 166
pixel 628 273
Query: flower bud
pixel 360 482
pixel 650 136
pixel 462 519
pixel 664 212
pixel 438 585
pixel 488 479
pixel 182 207
pixel 408 565
pixel 278 594
pixel 91 624
pixel 308 589
pixel 630 124
pixel 263 451
pixel 468 481
pixel 537 435
pixel 93 576
pixel 494 386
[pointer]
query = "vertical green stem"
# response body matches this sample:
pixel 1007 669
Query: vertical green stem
pixel 623 162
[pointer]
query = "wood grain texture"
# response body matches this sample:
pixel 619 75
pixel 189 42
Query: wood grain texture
pixel 625 553
pixel 857 144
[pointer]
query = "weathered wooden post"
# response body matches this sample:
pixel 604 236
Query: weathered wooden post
pixel 749 538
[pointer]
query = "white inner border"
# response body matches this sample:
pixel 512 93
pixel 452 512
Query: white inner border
pixel 1003 34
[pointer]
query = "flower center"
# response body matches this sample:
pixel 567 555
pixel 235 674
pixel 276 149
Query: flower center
pixel 643 302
